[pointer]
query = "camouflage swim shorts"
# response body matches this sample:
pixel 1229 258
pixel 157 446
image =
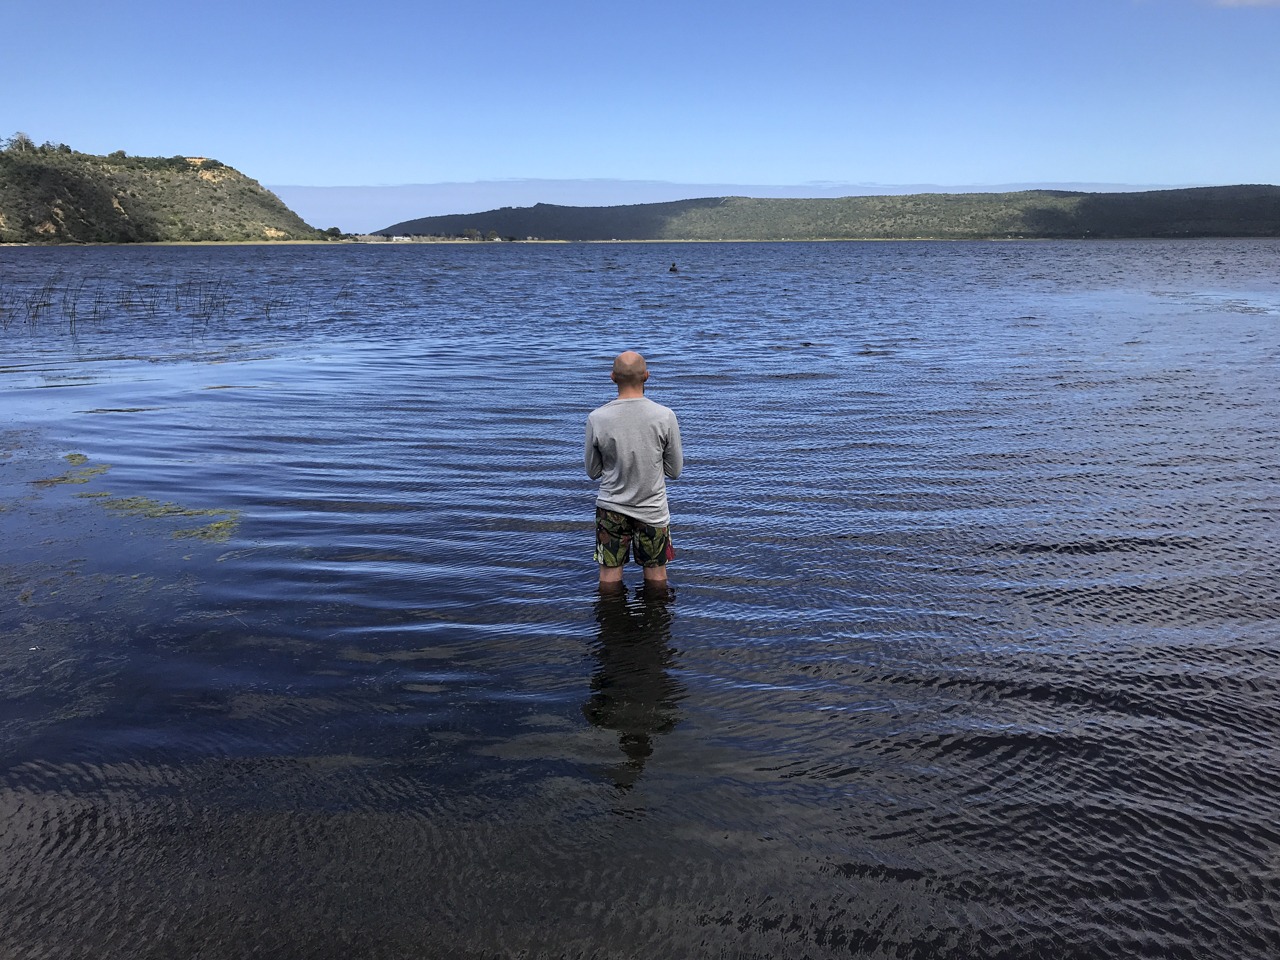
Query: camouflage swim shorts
pixel 617 535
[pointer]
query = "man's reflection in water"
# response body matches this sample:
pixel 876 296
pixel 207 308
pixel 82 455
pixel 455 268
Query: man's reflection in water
pixel 633 691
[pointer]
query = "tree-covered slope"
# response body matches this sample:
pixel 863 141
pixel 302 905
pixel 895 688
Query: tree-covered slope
pixel 1241 211
pixel 53 194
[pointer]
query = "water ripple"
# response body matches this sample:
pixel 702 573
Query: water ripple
pixel 971 649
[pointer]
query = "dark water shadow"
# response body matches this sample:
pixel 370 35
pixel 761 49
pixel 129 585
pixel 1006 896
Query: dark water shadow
pixel 633 690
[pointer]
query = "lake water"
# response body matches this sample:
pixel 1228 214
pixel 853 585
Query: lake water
pixel 972 650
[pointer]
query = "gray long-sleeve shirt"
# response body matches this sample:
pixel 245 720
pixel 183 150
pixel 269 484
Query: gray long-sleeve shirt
pixel 633 445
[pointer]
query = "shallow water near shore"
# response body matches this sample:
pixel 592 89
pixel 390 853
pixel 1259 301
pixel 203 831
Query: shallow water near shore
pixel 972 648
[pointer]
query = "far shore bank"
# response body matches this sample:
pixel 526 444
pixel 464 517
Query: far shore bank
pixel 430 241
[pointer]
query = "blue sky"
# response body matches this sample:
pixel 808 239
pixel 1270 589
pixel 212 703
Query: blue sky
pixel 943 92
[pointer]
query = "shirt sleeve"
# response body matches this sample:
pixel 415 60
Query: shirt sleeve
pixel 673 453
pixel 591 456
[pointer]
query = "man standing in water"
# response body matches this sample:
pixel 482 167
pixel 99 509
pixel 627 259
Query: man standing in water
pixel 633 445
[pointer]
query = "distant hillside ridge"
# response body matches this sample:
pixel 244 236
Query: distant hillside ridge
pixel 1235 211
pixel 53 194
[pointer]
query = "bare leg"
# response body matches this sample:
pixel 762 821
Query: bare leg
pixel 655 574
pixel 610 574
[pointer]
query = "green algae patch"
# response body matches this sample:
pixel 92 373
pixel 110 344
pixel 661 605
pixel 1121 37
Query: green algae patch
pixel 216 531
pixel 79 474
pixel 219 531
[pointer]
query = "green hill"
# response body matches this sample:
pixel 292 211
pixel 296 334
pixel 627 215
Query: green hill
pixel 53 194
pixel 1241 211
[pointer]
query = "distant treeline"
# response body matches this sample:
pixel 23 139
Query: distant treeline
pixel 53 194
pixel 1239 211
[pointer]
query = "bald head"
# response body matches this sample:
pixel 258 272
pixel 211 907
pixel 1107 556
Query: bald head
pixel 629 370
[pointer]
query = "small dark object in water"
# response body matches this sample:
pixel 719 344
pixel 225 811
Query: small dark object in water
pixel 673 269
